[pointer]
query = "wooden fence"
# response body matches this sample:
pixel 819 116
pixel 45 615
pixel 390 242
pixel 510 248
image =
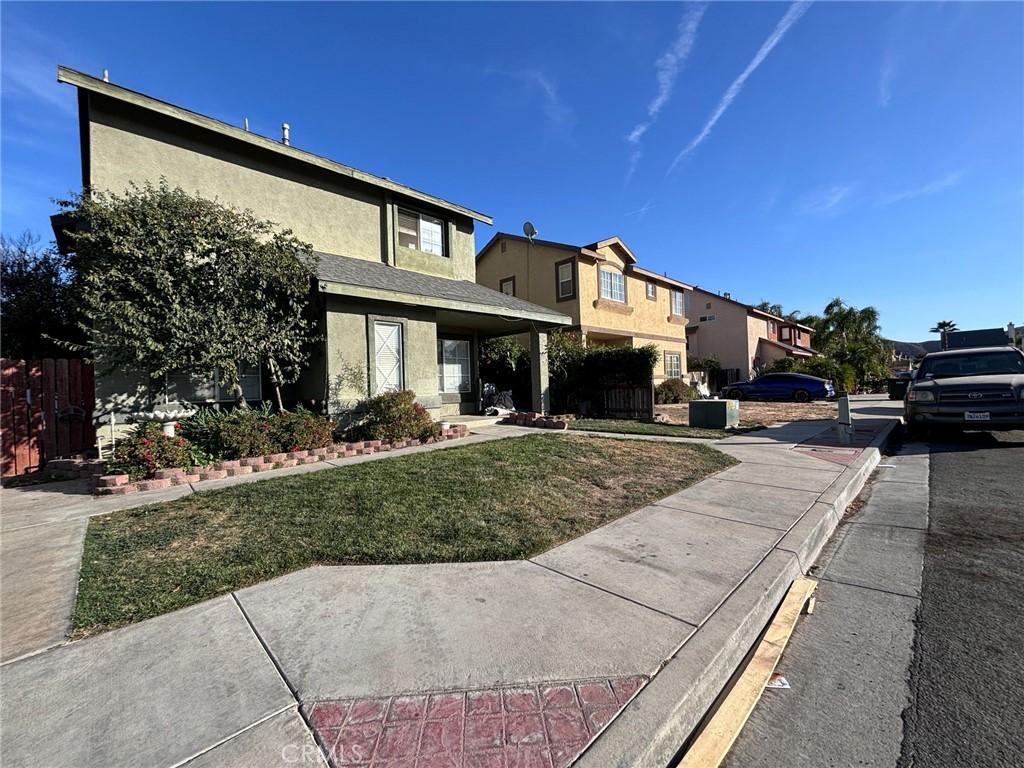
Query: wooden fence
pixel 45 412
pixel 628 402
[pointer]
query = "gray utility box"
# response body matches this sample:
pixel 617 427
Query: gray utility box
pixel 715 414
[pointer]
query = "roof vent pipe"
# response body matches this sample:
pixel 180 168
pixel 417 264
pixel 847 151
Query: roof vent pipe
pixel 106 76
pixel 284 135
pixel 727 295
pixel 246 119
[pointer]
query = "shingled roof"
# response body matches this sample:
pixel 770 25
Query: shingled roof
pixel 375 275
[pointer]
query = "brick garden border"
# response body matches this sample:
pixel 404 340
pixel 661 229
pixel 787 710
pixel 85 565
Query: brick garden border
pixel 117 485
pixel 533 419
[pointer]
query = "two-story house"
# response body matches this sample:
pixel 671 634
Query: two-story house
pixel 396 282
pixel 742 337
pixel 610 299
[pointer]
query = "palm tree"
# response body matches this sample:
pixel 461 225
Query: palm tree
pixel 942 328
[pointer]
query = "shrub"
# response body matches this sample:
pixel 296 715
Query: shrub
pixel 300 431
pixel 247 432
pixel 674 391
pixel 396 416
pixel 148 449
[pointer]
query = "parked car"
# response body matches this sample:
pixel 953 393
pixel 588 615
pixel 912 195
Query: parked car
pixel 782 386
pixel 979 388
pixel 898 384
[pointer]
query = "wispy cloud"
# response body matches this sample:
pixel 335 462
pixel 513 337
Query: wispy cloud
pixel 793 14
pixel 885 80
pixel 555 109
pixel 667 69
pixel 931 188
pixel 642 210
pixel 825 200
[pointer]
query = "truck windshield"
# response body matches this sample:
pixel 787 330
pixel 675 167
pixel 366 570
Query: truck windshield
pixel 977 364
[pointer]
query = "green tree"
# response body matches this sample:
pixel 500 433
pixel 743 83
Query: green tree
pixel 36 302
pixel 168 281
pixel 852 337
pixel 942 328
pixel 777 310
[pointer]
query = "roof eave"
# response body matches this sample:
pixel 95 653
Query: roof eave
pixel 128 96
pixel 397 297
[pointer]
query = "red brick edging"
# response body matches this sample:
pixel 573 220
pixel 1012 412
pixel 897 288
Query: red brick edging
pixel 532 419
pixel 116 485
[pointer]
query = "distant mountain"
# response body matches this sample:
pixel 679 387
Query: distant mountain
pixel 914 349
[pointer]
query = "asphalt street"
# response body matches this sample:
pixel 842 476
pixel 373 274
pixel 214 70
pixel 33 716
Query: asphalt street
pixel 915 655
pixel 967 678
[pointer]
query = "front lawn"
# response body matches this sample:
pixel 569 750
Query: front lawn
pixel 630 427
pixel 501 500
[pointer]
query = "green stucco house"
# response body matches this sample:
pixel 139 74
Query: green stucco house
pixel 396 281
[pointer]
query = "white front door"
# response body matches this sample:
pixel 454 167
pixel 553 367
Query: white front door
pixel 388 356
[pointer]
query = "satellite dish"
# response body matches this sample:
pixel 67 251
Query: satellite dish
pixel 529 230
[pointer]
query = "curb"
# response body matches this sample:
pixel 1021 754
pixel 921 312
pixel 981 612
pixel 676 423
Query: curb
pixel 654 726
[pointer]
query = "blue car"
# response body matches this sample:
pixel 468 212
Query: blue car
pixel 782 386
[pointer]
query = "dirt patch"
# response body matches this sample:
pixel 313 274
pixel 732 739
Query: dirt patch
pixel 759 413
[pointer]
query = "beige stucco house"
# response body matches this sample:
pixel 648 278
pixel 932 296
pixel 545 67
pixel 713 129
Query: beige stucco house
pixel 396 278
pixel 610 299
pixel 742 337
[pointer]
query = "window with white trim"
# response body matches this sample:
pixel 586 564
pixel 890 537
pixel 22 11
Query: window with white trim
pixel 613 285
pixel 678 303
pixel 652 290
pixel 673 365
pixel 387 356
pixel 422 232
pixel 508 286
pixel 706 318
pixel 454 371
pixel 191 387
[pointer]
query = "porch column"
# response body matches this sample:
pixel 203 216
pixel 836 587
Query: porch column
pixel 539 371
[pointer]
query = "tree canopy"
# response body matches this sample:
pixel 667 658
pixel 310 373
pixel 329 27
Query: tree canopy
pixel 944 326
pixel 851 336
pixel 170 281
pixel 36 302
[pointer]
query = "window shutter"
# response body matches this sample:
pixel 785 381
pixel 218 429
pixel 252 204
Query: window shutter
pixel 388 356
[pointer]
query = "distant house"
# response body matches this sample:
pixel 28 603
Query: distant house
pixel 396 285
pixel 742 337
pixel 611 300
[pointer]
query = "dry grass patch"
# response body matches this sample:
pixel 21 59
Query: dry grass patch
pixel 502 500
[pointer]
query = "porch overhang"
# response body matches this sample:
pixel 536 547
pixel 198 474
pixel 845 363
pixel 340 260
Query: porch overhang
pixel 498 318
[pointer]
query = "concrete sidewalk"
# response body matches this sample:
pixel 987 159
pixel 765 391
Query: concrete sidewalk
pixel 613 644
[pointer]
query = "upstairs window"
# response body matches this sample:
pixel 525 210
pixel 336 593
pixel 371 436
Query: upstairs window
pixel 565 280
pixel 785 333
pixel 678 304
pixel 508 286
pixel 421 232
pixel 613 285
pixel 652 290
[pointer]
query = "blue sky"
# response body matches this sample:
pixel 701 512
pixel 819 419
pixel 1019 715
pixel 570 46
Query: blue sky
pixel 789 152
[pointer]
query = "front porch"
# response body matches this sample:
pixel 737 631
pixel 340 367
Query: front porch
pixel 388 328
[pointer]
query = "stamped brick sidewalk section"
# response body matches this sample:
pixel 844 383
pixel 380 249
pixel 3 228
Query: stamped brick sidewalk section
pixel 534 726
pixel 827 446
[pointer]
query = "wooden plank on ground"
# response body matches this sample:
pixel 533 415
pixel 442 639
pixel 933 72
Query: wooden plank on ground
pixel 716 739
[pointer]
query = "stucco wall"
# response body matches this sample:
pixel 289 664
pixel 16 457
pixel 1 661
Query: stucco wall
pixel 535 278
pixel 727 336
pixel 332 213
pixel 348 346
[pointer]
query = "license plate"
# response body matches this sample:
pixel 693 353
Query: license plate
pixel 976 416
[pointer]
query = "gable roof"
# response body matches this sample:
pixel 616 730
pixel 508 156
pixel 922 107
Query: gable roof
pixel 95 85
pixel 388 283
pixel 752 310
pixel 577 249
pixel 616 241
pixel 791 349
